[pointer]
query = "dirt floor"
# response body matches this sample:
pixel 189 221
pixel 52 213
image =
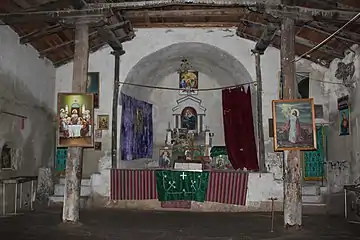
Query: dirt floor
pixel 125 225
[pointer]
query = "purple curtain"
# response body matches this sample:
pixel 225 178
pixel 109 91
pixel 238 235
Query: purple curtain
pixel 136 129
pixel 239 128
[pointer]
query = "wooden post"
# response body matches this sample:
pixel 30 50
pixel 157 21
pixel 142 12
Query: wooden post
pixel 114 122
pixel 265 40
pixel 259 108
pixel 292 166
pixel 75 154
pixel 261 144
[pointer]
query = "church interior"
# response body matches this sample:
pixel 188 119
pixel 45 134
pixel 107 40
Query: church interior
pixel 225 106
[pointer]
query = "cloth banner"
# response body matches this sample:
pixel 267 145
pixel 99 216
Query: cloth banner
pixel 136 129
pixel 132 184
pixel 239 128
pixel 314 160
pixel 181 185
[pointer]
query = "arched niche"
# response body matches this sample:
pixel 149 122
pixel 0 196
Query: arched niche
pixel 207 59
pixel 6 161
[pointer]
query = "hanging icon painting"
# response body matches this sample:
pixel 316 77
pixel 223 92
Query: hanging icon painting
pixel 188 82
pixel 75 119
pixel 344 116
pixel 294 124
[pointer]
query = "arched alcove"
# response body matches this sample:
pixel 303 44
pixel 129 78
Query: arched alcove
pixel 205 58
pixel 219 65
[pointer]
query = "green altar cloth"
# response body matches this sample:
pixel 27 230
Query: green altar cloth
pixel 181 185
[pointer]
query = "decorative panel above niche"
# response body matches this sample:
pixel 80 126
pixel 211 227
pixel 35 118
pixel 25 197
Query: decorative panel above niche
pixel 189 101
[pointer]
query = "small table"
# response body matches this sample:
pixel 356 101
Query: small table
pixel 18 180
pixel 350 188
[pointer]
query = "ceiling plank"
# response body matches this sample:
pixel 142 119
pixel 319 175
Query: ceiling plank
pixel 309 14
pixel 184 24
pixel 186 13
pixel 44 52
pixel 162 3
pixel 328 29
pixel 298 39
pixel 37 34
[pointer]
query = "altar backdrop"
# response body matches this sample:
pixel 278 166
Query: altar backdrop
pixel 136 129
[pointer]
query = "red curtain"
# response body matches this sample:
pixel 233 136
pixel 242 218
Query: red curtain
pixel 239 128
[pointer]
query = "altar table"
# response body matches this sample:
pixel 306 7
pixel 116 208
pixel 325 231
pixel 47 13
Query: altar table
pixel 229 187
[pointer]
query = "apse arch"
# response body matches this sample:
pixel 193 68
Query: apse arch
pixel 205 58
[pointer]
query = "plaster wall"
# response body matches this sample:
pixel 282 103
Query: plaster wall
pixel 343 165
pixel 213 73
pixel 27 88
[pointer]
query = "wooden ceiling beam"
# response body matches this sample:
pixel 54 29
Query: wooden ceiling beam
pixel 276 44
pixel 163 3
pixel 70 58
pixel 183 24
pixel 298 40
pixel 37 34
pixel 44 52
pixel 328 29
pixel 186 13
pixel 309 14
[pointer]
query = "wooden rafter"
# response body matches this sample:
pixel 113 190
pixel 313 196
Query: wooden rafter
pixel 344 35
pixel 40 33
pixel 299 40
pixel 44 52
pixel 186 13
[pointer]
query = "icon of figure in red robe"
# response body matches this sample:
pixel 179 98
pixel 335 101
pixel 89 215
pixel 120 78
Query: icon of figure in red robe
pixel 293 127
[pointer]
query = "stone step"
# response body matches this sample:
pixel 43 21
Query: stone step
pixel 60 188
pixel 84 181
pixel 314 208
pixel 312 199
pixel 309 190
pixel 59 200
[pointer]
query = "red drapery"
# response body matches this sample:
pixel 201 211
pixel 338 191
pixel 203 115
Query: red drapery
pixel 239 128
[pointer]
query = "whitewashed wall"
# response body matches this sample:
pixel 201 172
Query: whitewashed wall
pixel 149 41
pixel 28 89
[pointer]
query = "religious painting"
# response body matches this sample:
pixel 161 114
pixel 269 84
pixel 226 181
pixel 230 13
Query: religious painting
pixel 98 134
pixel 344 116
pixel 165 156
pixel 6 162
pixel 294 124
pixel 97 146
pixel 75 119
pixel 103 122
pixel 189 118
pixel 93 86
pixel 188 82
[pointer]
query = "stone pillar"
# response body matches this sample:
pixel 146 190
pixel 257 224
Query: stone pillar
pixel 74 159
pixel 175 120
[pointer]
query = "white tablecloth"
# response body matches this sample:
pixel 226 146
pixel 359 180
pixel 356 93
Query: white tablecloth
pixel 74 130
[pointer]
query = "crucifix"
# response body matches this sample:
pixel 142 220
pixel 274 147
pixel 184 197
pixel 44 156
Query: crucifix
pixel 183 175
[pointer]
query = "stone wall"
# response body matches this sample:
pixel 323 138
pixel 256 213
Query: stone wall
pixel 221 57
pixel 27 89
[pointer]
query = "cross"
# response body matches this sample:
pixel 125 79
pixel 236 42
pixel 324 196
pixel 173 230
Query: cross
pixel 183 175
